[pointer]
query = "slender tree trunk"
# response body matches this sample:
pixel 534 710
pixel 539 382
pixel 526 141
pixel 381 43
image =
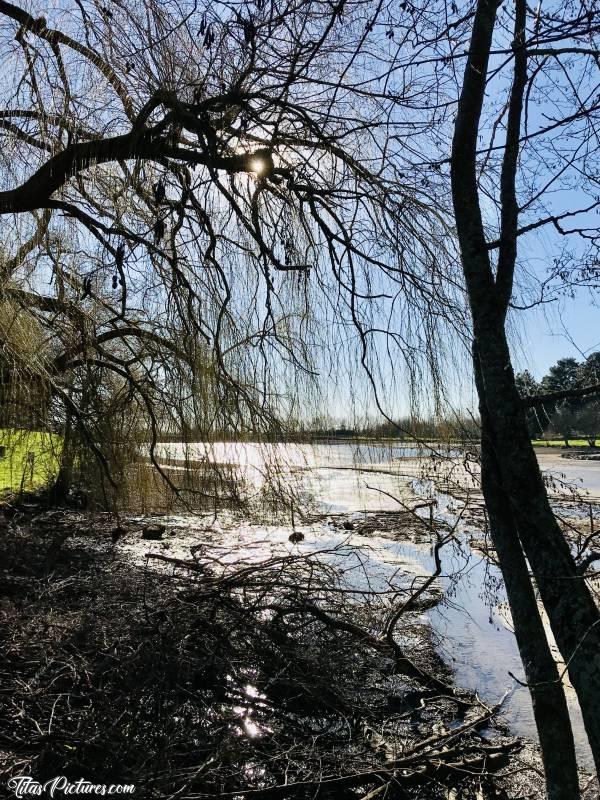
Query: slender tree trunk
pixel 541 673
pixel 59 492
pixel 573 614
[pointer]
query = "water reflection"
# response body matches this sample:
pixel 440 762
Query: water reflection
pixel 472 626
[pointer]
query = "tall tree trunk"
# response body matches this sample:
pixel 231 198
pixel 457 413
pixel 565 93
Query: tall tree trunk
pixel 573 614
pixel 541 673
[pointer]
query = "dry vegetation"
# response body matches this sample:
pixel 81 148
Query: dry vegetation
pixel 212 676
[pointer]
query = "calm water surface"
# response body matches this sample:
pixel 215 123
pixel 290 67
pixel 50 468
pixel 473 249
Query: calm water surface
pixel 474 635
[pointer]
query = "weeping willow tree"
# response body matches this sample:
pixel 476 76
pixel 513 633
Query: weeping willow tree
pixel 25 396
pixel 29 452
pixel 208 208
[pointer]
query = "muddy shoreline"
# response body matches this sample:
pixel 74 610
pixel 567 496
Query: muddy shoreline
pixel 85 612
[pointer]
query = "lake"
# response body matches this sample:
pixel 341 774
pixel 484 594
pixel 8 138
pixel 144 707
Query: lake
pixel 472 625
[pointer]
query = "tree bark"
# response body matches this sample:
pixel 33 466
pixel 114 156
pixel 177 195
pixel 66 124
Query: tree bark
pixel 572 612
pixel 59 493
pixel 541 673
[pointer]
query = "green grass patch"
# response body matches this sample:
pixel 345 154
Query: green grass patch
pixel 560 443
pixel 29 460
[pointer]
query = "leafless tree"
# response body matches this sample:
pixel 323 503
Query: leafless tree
pixel 202 186
pixel 547 57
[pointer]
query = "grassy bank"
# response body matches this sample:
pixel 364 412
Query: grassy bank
pixel 560 443
pixel 28 459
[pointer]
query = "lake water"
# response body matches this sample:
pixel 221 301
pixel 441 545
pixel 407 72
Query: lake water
pixel 584 474
pixel 339 474
pixel 471 626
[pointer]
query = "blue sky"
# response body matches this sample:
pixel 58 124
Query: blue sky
pixel 566 328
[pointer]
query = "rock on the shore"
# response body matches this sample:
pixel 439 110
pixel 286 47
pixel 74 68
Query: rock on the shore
pixel 154 531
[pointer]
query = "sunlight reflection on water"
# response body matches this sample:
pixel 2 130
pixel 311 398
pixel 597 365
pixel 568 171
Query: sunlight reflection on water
pixel 471 625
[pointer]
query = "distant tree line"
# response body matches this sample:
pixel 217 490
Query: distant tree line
pixel 426 428
pixel 571 417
